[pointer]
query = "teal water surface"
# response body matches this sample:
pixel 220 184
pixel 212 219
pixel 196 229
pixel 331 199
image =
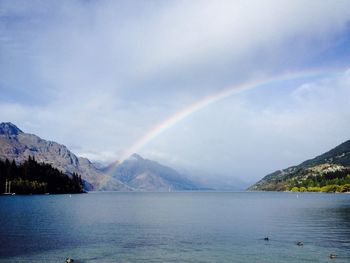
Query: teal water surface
pixel 175 227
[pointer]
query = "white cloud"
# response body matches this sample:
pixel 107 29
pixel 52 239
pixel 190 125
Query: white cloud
pixel 78 47
pixel 199 31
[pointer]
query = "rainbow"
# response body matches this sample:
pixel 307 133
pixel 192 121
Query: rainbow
pixel 211 99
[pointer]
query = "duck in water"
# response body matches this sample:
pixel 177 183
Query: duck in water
pixel 332 255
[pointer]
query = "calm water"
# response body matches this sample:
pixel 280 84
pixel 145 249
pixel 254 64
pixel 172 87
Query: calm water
pixel 175 227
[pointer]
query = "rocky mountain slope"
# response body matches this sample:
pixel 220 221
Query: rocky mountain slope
pixel 146 175
pixel 17 145
pixel 332 167
pixel 135 173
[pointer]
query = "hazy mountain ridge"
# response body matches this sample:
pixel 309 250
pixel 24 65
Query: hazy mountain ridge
pixel 332 165
pixel 148 175
pixel 134 174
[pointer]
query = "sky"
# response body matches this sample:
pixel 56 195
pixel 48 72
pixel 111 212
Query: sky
pixel 99 76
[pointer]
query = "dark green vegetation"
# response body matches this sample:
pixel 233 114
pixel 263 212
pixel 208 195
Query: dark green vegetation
pixel 32 177
pixel 329 172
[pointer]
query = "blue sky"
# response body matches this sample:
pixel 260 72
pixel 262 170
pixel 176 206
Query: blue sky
pixel 97 75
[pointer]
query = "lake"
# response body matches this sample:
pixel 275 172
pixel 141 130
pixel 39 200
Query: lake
pixel 175 227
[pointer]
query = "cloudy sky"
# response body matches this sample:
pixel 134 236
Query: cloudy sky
pixel 98 76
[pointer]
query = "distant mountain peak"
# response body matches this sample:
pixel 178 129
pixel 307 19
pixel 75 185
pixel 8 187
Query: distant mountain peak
pixel 135 157
pixel 9 128
pixel 146 175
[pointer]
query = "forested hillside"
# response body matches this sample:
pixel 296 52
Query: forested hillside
pixel 32 177
pixel 329 172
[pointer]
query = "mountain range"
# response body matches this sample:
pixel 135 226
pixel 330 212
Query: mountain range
pixel 139 174
pixel 133 174
pixel 330 168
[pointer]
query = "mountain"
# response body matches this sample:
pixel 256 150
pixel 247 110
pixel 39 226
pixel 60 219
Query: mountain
pixel 146 175
pixel 331 168
pixel 134 174
pixel 17 145
pixel 7 128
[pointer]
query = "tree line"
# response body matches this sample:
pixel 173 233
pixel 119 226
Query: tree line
pixel 335 181
pixel 32 177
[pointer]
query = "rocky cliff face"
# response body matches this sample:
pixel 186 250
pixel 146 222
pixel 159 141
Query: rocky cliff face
pixel 17 145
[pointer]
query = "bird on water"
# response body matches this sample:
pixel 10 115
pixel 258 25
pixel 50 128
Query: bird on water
pixel 333 255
